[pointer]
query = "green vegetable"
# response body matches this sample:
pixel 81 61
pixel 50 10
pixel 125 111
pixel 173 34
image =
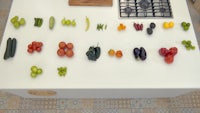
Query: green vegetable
pixel 97 51
pixel 51 22
pixel 33 75
pixel 87 23
pixel 93 53
pixel 73 23
pixel 185 26
pixel 62 71
pixel 16 25
pixel 38 22
pixel 14 19
pixel 8 49
pixel 13 47
pixel 101 27
pixel 188 45
pixel 39 71
pixel 63 21
pixel 68 22
pixel 22 21
pixel 35 71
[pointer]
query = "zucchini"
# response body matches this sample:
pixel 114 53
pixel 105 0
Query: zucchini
pixel 8 49
pixel 51 22
pixel 13 47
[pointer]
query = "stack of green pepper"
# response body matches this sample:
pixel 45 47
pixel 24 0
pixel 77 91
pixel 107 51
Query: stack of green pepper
pixel 38 22
pixel 101 27
pixel 93 53
pixel 62 71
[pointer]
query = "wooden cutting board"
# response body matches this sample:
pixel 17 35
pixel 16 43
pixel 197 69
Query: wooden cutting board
pixel 90 2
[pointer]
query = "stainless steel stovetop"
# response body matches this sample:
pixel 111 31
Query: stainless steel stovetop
pixel 145 8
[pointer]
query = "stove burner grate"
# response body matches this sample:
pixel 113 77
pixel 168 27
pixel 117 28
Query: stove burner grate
pixel 145 8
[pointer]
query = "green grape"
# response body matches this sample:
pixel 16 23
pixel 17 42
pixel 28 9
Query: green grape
pixel 189 42
pixel 39 71
pixel 73 23
pixel 183 24
pixel 33 75
pixel 34 69
pixel 184 42
pixel 16 25
pixel 193 47
pixel 188 25
pixel 68 22
pixel 14 19
pixel 60 73
pixel 185 28
pixel 188 48
pixel 63 21
pixel 22 21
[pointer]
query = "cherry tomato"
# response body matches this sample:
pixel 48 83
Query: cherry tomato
pixel 38 49
pixel 69 53
pixel 40 44
pixel 169 59
pixel 62 45
pixel 163 51
pixel 30 50
pixel 173 51
pixel 69 46
pixel 34 43
pixel 61 52
pixel 30 46
pixel 119 54
pixel 34 47
pixel 111 52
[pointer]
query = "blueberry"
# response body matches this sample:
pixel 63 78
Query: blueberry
pixel 152 25
pixel 143 54
pixel 149 31
pixel 136 52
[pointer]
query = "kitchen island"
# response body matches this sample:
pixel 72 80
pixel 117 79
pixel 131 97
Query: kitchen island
pixel 108 76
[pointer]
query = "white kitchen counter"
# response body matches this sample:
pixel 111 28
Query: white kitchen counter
pixel 106 72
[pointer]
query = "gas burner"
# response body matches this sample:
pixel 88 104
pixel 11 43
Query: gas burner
pixel 128 10
pixel 145 8
pixel 144 4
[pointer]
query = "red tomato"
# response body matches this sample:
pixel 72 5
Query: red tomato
pixel 34 47
pixel 40 44
pixel 38 49
pixel 30 50
pixel 61 52
pixel 62 45
pixel 70 46
pixel 69 53
pixel 173 51
pixel 163 51
pixel 30 46
pixel 169 59
pixel 34 43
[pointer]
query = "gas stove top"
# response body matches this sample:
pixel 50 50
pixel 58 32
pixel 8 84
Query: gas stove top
pixel 145 8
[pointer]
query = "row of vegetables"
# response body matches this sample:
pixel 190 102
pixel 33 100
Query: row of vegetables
pixel 94 52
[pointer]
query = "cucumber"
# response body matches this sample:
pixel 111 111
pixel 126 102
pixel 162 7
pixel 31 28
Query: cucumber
pixel 13 47
pixel 8 49
pixel 51 22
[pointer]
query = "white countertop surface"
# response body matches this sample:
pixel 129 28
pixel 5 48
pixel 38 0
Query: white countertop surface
pixel 106 72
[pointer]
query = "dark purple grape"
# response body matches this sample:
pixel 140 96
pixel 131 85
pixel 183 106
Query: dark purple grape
pixel 143 54
pixel 149 31
pixel 136 52
pixel 152 25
